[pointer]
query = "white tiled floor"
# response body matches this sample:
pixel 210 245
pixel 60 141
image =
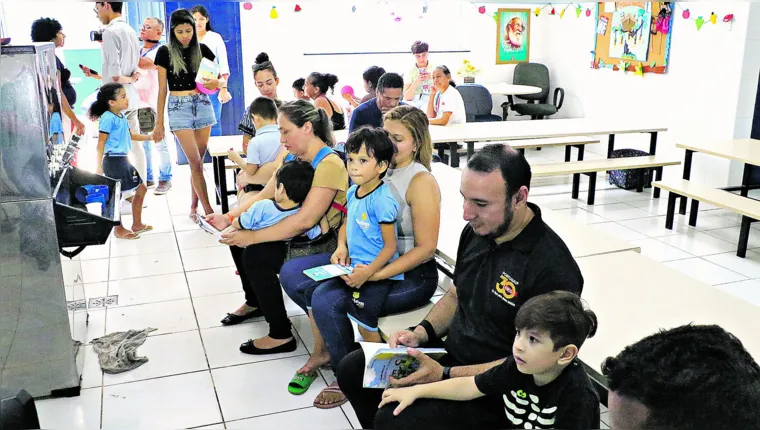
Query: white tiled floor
pixel 179 281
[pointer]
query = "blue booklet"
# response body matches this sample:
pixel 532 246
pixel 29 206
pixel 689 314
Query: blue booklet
pixel 329 271
pixel 382 362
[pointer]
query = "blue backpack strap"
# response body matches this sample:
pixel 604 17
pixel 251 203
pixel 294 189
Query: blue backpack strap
pixel 324 152
pixel 289 157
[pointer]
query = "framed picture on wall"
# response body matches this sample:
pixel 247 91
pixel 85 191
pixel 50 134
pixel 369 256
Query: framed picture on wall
pixel 512 36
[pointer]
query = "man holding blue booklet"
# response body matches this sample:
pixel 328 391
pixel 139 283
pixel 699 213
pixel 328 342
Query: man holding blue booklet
pixel 506 256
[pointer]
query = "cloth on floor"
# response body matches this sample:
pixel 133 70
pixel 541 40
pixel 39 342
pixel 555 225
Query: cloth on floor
pixel 117 352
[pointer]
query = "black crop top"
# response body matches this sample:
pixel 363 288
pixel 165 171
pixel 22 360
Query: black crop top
pixel 181 81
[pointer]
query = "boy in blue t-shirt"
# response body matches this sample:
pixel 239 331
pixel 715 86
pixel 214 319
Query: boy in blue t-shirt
pixel 367 240
pixel 293 184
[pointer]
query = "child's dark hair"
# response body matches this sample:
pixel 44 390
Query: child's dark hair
pixel 106 93
pixel 372 75
pixel 323 81
pixel 296 175
pixel 376 142
pixel 420 47
pixel 264 108
pixel 52 96
pixel 299 83
pixel 560 313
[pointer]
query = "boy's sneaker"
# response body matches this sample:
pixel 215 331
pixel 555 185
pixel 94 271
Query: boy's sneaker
pixel 163 188
pixel 150 184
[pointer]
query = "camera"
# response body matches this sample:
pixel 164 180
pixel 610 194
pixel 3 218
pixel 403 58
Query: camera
pixel 96 36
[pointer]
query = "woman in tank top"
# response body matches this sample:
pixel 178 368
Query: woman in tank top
pixel 316 88
pixel 418 219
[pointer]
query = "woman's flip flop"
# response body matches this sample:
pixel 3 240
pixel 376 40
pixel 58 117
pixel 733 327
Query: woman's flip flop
pixel 145 229
pixel 301 383
pixel 333 388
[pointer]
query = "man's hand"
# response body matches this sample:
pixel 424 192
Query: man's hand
pixel 429 371
pixel 404 396
pixel 407 338
pixel 219 221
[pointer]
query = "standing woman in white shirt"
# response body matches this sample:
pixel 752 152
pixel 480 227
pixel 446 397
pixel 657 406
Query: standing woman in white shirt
pixel 445 105
pixel 215 42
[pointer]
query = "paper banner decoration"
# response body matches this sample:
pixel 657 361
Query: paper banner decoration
pixel 601 64
pixel 482 10
pixel 273 12
pixel 713 18
pixel 588 13
pixel 639 70
pixel 425 8
pixel 578 11
pixel 537 11
pixel 297 8
pixel 686 14
pixel 353 9
pixel 496 16
pixel 699 22
pixel 247 6
pixel 562 12
pixel 553 12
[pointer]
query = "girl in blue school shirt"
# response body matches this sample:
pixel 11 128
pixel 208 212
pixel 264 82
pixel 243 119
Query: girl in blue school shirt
pixel 114 143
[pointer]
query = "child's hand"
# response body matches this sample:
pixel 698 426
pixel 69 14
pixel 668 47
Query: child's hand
pixel 404 396
pixel 356 279
pixel 340 256
pixel 219 221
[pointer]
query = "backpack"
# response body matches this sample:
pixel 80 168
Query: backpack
pixel 627 179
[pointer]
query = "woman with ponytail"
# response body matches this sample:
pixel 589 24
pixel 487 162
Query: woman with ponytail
pixel 316 87
pixel 259 255
pixel 190 112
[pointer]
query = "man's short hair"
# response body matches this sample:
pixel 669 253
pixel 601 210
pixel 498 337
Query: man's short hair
pixel 299 83
pixel 116 6
pixel 159 22
pixel 420 47
pixel 390 80
pixel 376 142
pixel 561 314
pixel 264 108
pixel 296 175
pixel 689 377
pixel 514 168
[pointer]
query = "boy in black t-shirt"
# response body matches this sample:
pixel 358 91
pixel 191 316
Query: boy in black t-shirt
pixel 542 384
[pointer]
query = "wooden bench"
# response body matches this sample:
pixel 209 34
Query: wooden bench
pixel 748 208
pixel 521 145
pixel 591 167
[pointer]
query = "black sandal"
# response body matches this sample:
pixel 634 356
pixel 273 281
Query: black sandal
pixel 250 348
pixel 232 319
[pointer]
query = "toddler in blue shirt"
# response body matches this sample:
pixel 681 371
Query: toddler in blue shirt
pixel 293 184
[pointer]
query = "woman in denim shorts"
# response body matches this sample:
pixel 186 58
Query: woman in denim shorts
pixel 190 112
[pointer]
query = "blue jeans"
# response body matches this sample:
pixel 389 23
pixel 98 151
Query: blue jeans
pixel 216 129
pixel 330 305
pixel 165 162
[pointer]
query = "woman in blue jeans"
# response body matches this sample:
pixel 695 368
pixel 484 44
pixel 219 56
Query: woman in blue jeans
pixel 418 220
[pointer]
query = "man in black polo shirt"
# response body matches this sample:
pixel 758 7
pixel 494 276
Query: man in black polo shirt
pixel 506 256
pixel 390 88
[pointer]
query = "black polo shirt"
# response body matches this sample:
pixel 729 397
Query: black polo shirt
pixel 492 282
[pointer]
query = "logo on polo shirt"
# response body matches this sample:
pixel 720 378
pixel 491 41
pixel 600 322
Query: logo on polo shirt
pixel 363 221
pixel 506 288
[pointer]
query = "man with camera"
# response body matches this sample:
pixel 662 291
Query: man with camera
pixel 121 53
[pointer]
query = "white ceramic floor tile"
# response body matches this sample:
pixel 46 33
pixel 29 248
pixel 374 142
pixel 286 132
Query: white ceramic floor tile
pixel 92 376
pixel 749 291
pixel 81 412
pixel 654 226
pixel 86 291
pixel 261 388
pixel 213 281
pixel 170 354
pixel 698 243
pixel 317 419
pixel 619 231
pixel 352 418
pixel 94 271
pixel 160 221
pixel 72 271
pixel 302 326
pixel 625 214
pixel 184 223
pixel 94 325
pixel 195 239
pixel 659 251
pixel 168 317
pixel 731 234
pixel 653 206
pixel 140 266
pixel 207 258
pixel 748 266
pixel 705 271
pixel 147 244
pixel 175 402
pixel 96 252
pixel 149 289
pixel 211 309
pixel 554 201
pixel 581 215
pixel 222 345
pixel 603 209
pixel 706 221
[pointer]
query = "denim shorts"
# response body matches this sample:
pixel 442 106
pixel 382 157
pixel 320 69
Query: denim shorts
pixel 190 112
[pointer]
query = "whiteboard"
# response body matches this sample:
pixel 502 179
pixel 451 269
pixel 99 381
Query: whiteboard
pixel 390 27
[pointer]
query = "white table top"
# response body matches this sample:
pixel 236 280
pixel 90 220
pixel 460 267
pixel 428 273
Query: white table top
pixel 580 239
pixel 220 145
pixel 743 150
pixel 504 89
pixel 634 296
pixel 513 130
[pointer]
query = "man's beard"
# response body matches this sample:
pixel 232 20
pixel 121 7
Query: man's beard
pixel 509 215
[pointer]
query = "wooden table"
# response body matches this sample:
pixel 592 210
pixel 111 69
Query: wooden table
pixel 505 89
pixel 218 147
pixel 634 296
pixel 745 151
pixel 582 240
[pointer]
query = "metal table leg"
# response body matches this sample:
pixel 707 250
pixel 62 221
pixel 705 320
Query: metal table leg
pixel 686 175
pixel 217 191
pixel 223 184
pixel 453 150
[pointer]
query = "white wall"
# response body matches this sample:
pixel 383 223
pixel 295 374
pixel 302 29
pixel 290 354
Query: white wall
pixel 700 97
pixel 76 17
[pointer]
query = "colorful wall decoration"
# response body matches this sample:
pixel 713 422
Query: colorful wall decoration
pixel 512 36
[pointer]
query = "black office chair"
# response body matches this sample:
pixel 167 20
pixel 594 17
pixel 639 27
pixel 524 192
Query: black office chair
pixel 536 75
pixel 477 103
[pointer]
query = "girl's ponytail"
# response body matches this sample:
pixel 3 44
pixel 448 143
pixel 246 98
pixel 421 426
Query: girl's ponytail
pixel 106 93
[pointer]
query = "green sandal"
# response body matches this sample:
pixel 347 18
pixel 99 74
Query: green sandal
pixel 301 383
